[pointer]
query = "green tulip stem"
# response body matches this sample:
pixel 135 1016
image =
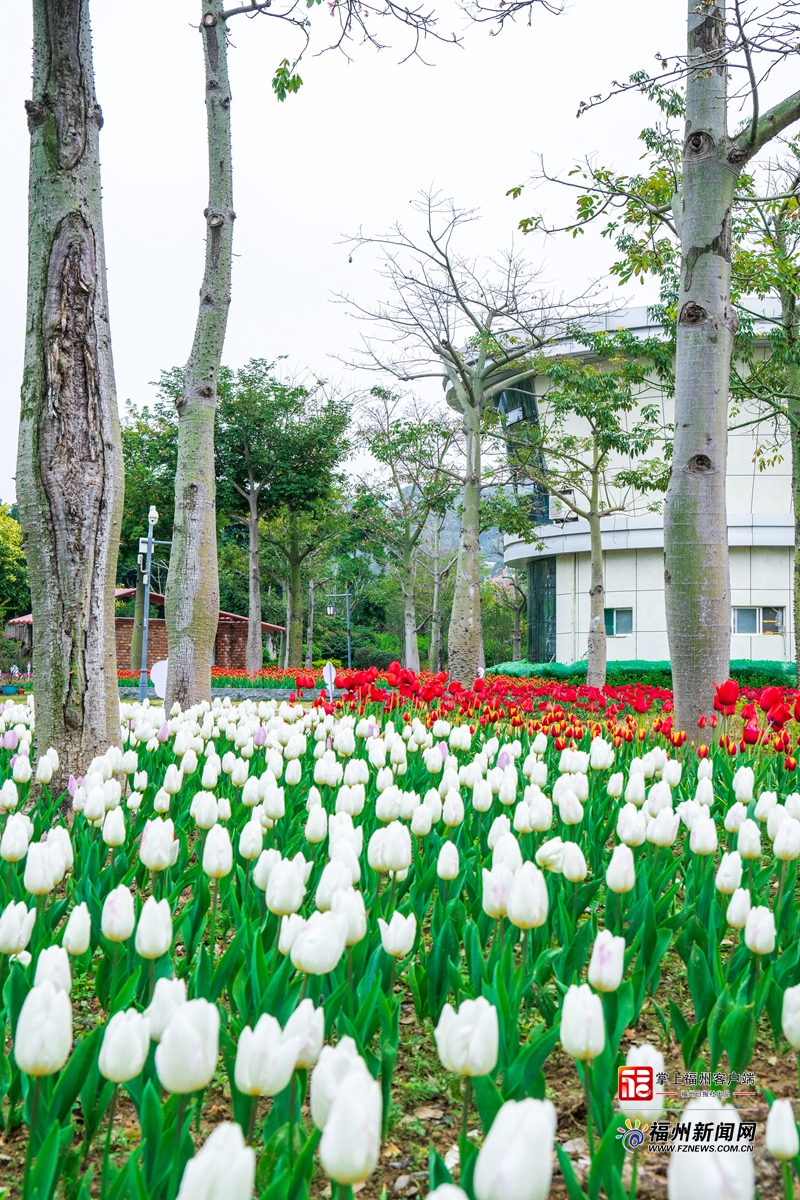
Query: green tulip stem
pixel 467 1091
pixel 634 1168
pixel 247 881
pixel 107 1149
pixel 292 1095
pixel 391 895
pixel 37 1087
pixel 780 896
pixel 176 1156
pixel 111 995
pixel 8 880
pixel 152 978
pixel 213 923
pixel 502 935
pixel 788 1187
pixel 350 988
pixel 251 1123
pixel 587 1081
pixel 303 989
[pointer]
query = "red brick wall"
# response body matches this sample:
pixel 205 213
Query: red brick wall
pixel 229 649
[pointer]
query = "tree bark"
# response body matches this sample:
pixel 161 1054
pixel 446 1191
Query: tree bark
pixel 696 576
pixel 465 639
pixel 310 626
pixel 69 466
pixel 408 584
pixel 435 644
pixel 254 654
pixel 596 665
pixel 516 636
pixel 295 625
pixel 192 596
pixel 791 326
pixel 137 633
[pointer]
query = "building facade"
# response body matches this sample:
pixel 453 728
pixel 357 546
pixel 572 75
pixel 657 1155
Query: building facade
pixel 760 536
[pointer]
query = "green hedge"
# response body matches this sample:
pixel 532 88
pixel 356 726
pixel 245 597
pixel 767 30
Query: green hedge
pixel 749 672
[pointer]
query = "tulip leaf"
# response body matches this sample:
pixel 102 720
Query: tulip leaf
pixel 152 1122
pixel 701 984
pixel 44 1174
pixel 576 953
pixel 606 1168
pixel 226 966
pixel 738 1034
pixel 437 1171
pixel 71 1079
pixel 720 1011
pixel 488 1098
pixel 519 1078
pixel 574 1189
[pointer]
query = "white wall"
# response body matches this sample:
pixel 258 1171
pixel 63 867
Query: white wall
pixel 760 575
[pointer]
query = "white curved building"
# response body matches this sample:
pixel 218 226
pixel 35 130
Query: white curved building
pixel 760 536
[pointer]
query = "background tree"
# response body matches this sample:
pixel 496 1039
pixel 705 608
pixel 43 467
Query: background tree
pixel 277 447
pixel 588 449
pixel 476 323
pixel 69 464
pixel 15 593
pixel 417 482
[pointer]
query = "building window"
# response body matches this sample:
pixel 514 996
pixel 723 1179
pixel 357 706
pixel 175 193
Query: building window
pixel 619 621
pixel 766 620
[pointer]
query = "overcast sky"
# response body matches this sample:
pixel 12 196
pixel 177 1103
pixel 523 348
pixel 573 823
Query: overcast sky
pixel 357 142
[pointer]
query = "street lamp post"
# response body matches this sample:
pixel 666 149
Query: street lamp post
pixel 146 549
pixel 330 609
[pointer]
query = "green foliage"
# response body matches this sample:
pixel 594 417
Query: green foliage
pixel 285 82
pixel 15 596
pixel 748 672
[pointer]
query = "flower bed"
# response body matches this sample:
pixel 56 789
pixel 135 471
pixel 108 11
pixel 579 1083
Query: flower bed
pixel 283 944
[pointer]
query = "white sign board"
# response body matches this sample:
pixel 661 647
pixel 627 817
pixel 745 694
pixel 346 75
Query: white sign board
pixel 329 674
pixel 158 675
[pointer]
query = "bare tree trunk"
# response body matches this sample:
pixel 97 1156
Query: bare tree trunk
pixel 285 643
pixel 254 654
pixel 411 657
pixel 295 624
pixel 596 665
pixel 69 466
pixel 793 388
pixel 192 597
pixel 435 645
pixel 465 639
pixel 695 519
pixel 310 626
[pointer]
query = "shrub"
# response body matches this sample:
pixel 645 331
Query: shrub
pixel 368 656
pixel 749 672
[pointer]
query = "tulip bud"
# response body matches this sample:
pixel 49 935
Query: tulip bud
pixel 320 944
pixel 335 875
pixel 114 828
pixel 748 842
pixel 743 782
pixel 126 1044
pixel 497 885
pixel 77 931
pixel 350 904
pixel 397 938
pixel 550 855
pixel 16 926
pixel 118 917
pixel 218 853
pixel 738 909
pixel 607 962
pixel 154 931
pixel 527 901
pixel 43 1037
pixel 787 841
pixel 223 1166
pixel 22 769
pixel 736 814
pixel 307 1025
pixel 39 878
pixel 516 1159
pixel 790 1016
pixel 9 798
pixel 44 770
pixel 468 1040
pixel 663 830
pixel 447 864
pixel 53 964
pixel 646 1110
pixel 317 825
pixel 351 1139
pixel 631 825
pixel 251 841
pixel 261 872
pixel 782 1140
pixel 158 848
pixel 722 1175
pixel 759 930
pixel 635 790
pixel 265 1060
pixel 729 874
pixel 187 1056
pixel 583 1030
pixel 285 888
pixel 573 863
pixel 169 995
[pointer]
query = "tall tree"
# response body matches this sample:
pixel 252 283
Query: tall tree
pixel 15 594
pixel 415 451
pixel 702 188
pixel 69 464
pixel 277 446
pixel 192 597
pixel 477 324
